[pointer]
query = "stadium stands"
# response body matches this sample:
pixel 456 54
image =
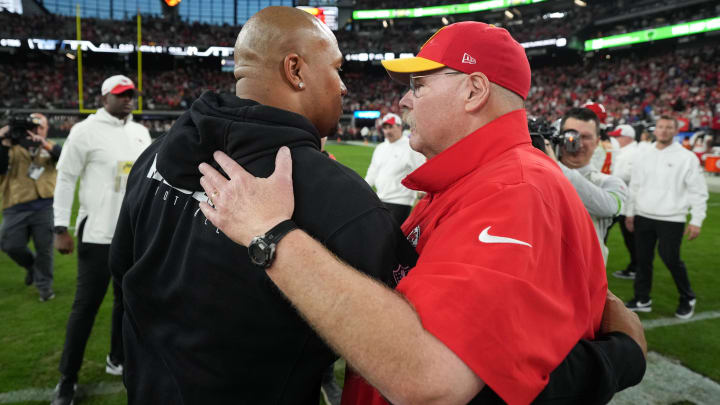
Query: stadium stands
pixel 633 83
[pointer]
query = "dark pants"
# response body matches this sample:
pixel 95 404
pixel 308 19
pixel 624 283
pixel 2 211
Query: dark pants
pixel 668 236
pixel 92 283
pixel 15 232
pixel 629 238
pixel 399 212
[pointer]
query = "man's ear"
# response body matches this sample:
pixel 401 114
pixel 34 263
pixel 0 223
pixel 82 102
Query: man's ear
pixel 293 70
pixel 477 92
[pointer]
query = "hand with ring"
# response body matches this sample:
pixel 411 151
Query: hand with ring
pixel 246 206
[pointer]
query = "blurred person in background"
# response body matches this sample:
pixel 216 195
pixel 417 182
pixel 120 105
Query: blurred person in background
pixel 602 194
pixel 365 133
pixel 626 135
pixel 27 183
pixel 667 183
pixel 392 161
pixel 99 151
pixel 646 138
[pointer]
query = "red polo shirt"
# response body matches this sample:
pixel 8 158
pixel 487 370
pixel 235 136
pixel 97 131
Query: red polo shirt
pixel 510 275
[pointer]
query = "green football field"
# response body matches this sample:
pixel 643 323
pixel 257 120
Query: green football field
pixel 32 333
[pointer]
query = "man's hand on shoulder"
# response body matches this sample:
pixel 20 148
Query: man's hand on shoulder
pixel 246 206
pixel 617 318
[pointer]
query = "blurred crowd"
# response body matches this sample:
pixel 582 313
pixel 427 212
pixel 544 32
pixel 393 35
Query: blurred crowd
pixel 401 35
pixel 55 86
pixel 685 82
pixel 155 30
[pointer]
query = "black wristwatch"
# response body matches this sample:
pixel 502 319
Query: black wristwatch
pixel 262 248
pixel 60 229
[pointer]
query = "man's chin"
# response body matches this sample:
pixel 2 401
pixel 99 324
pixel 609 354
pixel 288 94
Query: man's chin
pixel 572 163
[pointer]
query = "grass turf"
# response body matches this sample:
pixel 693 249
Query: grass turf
pixel 32 333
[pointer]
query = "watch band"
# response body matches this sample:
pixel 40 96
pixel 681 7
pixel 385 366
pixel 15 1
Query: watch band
pixel 275 234
pixel 59 229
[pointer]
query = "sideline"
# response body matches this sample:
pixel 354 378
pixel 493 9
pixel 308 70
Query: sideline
pixel 661 322
pixel 666 381
pixel 45 394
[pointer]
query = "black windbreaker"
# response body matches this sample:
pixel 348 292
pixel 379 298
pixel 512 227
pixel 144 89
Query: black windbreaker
pixel 202 324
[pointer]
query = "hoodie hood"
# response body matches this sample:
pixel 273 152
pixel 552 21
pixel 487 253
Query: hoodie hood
pixel 244 129
pixel 101 115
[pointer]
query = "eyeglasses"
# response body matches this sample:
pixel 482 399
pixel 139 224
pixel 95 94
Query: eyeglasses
pixel 414 86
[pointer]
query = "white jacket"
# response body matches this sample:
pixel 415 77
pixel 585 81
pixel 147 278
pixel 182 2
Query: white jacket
pixel 623 166
pixel 100 150
pixel 390 163
pixel 602 194
pixel 667 184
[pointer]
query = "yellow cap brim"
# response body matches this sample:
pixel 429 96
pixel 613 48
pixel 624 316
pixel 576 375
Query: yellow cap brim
pixel 400 69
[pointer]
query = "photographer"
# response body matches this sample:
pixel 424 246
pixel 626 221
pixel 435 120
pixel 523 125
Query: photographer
pixel 27 182
pixel 603 195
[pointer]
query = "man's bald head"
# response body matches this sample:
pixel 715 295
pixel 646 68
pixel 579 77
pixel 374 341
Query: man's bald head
pixel 273 33
pixel 288 59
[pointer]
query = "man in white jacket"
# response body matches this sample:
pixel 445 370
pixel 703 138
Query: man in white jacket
pixel 666 183
pixel 100 152
pixel 391 161
pixel 602 194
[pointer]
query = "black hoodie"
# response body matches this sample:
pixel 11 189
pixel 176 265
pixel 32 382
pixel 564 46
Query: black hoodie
pixel 202 324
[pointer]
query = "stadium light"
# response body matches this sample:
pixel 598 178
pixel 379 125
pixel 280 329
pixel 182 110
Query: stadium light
pixel 580 3
pixel 509 14
pixel 439 10
pixel 654 34
pixel 445 21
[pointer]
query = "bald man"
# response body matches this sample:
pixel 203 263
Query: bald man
pixel 27 182
pixel 203 323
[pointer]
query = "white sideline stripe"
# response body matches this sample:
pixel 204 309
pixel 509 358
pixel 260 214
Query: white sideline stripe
pixel 45 394
pixel 666 381
pixel 662 379
pixel 658 323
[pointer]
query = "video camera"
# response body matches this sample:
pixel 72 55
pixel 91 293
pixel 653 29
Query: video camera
pixel 19 125
pixel 540 130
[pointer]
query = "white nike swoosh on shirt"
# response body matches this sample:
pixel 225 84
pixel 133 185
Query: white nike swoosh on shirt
pixel 485 237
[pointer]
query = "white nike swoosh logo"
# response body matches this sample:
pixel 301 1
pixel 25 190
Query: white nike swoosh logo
pixel 485 237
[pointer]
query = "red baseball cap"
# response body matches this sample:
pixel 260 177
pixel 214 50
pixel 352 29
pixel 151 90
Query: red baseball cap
pixel 470 47
pixel 392 119
pixel 623 130
pixel 599 110
pixel 117 84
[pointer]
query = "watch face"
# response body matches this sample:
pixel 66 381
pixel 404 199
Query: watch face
pixel 260 252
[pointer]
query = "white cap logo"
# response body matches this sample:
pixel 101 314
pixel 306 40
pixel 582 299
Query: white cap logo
pixel 468 59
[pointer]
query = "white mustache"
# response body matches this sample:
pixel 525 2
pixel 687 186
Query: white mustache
pixel 409 119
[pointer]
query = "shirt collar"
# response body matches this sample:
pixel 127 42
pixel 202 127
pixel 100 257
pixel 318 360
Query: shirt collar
pixel 471 152
pixel 105 115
